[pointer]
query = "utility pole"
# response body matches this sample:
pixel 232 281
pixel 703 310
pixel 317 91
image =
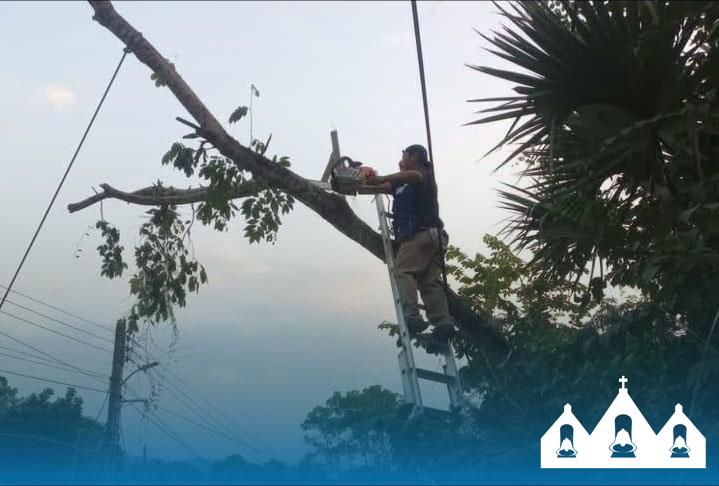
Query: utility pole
pixel 114 403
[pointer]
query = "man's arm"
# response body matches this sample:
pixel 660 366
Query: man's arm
pixel 383 188
pixel 403 177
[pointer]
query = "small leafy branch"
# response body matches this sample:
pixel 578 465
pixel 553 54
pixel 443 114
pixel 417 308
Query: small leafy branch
pixel 166 271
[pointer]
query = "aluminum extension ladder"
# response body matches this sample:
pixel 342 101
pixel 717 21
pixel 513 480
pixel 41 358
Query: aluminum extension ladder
pixel 410 374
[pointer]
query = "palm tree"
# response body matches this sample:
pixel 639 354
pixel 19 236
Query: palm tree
pixel 615 125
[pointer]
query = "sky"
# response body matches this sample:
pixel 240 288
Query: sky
pixel 278 328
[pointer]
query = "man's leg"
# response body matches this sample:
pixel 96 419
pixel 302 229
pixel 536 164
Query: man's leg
pixel 412 260
pixel 431 287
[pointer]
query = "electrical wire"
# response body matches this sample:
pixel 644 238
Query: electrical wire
pixel 52 381
pixel 54 366
pixel 225 416
pixel 31 355
pixel 159 423
pixel 38 350
pixel 62 181
pixel 202 426
pixel 38 301
pixel 49 439
pixel 205 416
pixel 63 323
pixel 212 422
pixel 55 332
pixel 203 413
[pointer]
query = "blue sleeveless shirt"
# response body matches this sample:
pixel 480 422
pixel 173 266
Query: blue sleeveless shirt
pixel 415 208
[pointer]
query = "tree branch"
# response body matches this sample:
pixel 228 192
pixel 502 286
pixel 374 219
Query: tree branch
pixel 157 195
pixel 331 207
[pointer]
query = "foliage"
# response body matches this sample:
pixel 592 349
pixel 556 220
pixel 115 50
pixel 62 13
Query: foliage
pixel 237 114
pixel 501 285
pixel 614 124
pixel 349 431
pixel 111 251
pixel 562 351
pixel 165 270
pixel 616 127
pixel 39 430
pixel 564 347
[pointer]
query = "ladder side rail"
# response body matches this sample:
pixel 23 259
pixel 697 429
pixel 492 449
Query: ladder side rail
pixel 450 369
pixel 405 339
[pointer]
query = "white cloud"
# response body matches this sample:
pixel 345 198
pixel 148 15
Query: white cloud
pixel 60 97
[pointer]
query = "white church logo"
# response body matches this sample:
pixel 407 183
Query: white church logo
pixel 623 439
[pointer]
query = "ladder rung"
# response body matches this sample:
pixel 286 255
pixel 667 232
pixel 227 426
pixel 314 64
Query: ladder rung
pixel 434 376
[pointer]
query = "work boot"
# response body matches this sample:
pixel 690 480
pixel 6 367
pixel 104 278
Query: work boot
pixel 415 325
pixel 438 340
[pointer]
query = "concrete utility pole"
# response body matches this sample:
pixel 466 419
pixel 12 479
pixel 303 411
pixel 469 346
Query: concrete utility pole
pixel 114 403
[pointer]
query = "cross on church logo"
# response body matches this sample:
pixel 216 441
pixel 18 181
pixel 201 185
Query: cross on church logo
pixel 623 439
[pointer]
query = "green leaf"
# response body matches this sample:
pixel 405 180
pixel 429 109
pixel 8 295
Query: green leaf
pixel 238 114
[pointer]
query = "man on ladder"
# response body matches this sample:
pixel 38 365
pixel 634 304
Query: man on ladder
pixel 422 241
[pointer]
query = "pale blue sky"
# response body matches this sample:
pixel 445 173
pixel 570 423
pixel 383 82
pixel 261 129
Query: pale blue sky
pixel 278 328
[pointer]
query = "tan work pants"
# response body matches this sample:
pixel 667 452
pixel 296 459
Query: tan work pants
pixel 418 266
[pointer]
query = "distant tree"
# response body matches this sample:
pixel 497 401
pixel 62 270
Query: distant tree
pixel 39 430
pixel 350 430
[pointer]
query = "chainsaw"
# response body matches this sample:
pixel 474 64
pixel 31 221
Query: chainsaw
pixel 349 175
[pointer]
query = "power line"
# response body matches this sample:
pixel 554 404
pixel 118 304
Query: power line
pixel 40 363
pixel 211 423
pixel 201 412
pixel 202 426
pixel 198 424
pixel 225 416
pixel 204 413
pixel 55 332
pixel 78 329
pixel 62 181
pixel 49 439
pixel 38 350
pixel 52 381
pixel 31 355
pixel 164 428
pixel 38 301
pixel 206 416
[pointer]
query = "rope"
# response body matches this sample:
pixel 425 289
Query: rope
pixel 62 181
pixel 420 60
pixel 423 84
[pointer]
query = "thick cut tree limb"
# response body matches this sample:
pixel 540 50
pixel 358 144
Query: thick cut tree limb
pixel 157 195
pixel 331 207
